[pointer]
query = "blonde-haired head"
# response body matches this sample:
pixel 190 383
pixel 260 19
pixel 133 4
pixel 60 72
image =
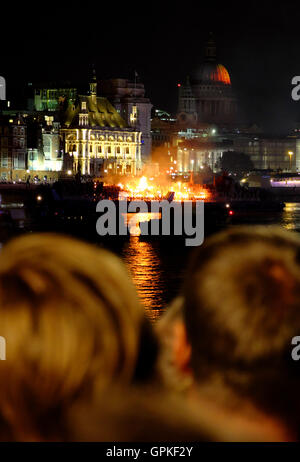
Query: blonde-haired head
pixel 71 319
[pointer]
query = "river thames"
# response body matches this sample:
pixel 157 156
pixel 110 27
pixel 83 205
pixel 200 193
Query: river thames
pixel 157 266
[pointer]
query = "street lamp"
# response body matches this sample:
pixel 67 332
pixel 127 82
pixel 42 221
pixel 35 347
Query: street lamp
pixel 290 153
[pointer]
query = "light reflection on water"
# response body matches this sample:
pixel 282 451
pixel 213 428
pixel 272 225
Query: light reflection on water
pixel 291 216
pixel 157 267
pixel 144 263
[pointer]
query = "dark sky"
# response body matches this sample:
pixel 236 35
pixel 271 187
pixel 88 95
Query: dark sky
pixel 259 43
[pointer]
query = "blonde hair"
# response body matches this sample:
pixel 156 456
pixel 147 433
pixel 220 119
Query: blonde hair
pixel 71 320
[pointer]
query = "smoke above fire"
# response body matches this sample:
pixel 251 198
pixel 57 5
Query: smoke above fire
pixel 158 178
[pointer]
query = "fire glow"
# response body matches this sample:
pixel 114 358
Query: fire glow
pixel 152 189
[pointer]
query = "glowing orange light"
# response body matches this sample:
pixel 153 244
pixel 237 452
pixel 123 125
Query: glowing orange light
pixel 156 189
pixel 222 75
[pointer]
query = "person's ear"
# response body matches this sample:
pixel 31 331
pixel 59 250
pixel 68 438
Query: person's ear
pixel 181 347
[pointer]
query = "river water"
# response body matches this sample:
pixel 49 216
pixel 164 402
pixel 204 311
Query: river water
pixel 158 266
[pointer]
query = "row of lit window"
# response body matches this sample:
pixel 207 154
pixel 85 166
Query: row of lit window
pixel 111 138
pixel 100 150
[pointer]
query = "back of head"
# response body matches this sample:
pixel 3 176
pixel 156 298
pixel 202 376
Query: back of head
pixel 242 309
pixel 72 324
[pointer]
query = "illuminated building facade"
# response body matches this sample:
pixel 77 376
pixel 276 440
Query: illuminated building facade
pixel 97 139
pixel 47 97
pixel 13 147
pixel 208 96
pixel 274 154
pixel 270 153
pixel 186 149
pixel 45 153
pixel 30 146
pixel 194 155
pixel 130 101
pixel 164 133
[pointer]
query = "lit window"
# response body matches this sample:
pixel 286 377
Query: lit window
pixel 133 115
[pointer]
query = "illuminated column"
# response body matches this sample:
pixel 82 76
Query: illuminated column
pixel 84 154
pixel 137 158
pixel 133 168
pixel 89 145
pixel 186 157
pixel 179 160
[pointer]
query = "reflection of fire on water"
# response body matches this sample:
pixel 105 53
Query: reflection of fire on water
pixel 149 189
pixel 133 221
pixel 145 266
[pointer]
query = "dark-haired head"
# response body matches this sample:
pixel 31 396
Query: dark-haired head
pixel 241 310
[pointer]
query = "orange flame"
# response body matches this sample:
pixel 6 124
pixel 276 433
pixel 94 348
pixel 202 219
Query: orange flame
pixel 157 189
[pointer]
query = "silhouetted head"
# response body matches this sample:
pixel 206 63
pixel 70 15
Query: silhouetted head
pixel 73 328
pixel 241 310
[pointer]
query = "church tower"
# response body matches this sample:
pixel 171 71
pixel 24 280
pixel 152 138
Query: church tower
pixel 186 104
pixel 93 86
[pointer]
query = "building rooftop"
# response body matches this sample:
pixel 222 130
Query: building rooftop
pixel 100 111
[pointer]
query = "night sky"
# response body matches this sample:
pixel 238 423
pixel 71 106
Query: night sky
pixel 258 42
